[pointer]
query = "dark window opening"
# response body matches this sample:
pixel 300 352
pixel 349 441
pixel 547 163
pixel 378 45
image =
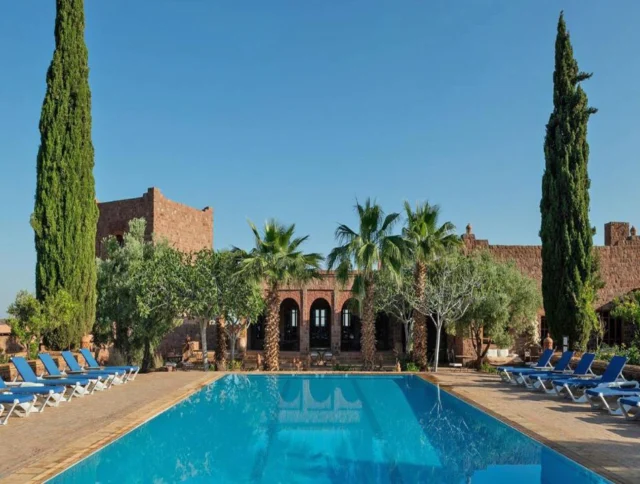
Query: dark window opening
pixel 256 334
pixel 289 325
pixel 350 327
pixel 320 325
pixel 612 329
pixel 383 332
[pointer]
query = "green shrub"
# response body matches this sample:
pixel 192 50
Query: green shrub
pixel 411 366
pixel 338 367
pixel 487 368
pixel 234 365
pixel 632 352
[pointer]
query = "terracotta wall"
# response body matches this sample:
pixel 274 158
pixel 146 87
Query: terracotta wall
pixel 619 260
pixel 186 228
pixel 115 216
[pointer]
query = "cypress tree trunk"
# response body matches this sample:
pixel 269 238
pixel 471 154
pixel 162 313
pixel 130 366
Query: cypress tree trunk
pixel 66 215
pixel 567 237
pixel 420 320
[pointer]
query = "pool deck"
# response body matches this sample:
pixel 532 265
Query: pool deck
pixel 36 448
pixel 606 444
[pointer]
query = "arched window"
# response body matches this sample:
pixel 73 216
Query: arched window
pixel 289 325
pixel 320 324
pixel 350 330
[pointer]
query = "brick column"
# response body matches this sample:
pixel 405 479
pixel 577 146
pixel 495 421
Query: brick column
pixel 336 323
pixel 304 324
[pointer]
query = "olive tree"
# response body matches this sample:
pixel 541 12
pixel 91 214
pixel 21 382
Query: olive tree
pixel 139 293
pixel 30 319
pixel 451 287
pixel 240 300
pixel 395 297
pixel 199 293
pixel 505 304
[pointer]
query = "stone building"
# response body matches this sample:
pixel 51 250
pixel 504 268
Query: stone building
pixel 186 228
pixel 321 316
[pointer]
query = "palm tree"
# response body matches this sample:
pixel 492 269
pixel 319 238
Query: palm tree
pixel 367 250
pixel 427 240
pixel 276 260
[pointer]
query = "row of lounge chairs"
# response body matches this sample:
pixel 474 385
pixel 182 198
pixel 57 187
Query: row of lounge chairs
pixel 34 393
pixel 609 391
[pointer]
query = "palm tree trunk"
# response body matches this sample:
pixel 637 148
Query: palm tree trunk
pixel 221 353
pixel 420 325
pixel 272 331
pixel 368 338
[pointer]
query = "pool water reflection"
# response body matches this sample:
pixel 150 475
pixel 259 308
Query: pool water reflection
pixel 325 429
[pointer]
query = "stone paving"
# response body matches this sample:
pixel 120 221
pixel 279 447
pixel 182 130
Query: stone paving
pixel 40 446
pixel 609 445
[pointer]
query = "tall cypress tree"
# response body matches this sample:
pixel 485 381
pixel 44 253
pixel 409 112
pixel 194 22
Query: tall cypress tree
pixel 66 215
pixel 567 237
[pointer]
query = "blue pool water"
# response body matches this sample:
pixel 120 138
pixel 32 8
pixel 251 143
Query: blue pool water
pixel 325 429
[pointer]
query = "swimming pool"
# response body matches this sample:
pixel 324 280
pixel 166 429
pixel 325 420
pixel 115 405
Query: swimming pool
pixel 325 429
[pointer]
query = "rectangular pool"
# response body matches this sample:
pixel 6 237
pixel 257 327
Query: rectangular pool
pixel 325 429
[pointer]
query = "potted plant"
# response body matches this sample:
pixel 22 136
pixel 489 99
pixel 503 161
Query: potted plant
pixel 503 342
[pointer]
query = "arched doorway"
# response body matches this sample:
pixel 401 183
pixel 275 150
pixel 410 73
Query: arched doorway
pixel 383 332
pixel 320 325
pixel 350 324
pixel 289 325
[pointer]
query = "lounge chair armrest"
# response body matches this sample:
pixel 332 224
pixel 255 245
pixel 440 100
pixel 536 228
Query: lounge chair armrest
pixel 52 377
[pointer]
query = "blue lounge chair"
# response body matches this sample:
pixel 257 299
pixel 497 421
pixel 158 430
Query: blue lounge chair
pixel 630 407
pixel 118 376
pixel 49 395
pixel 608 398
pixel 575 388
pixel 544 362
pixel 100 382
pixel 22 405
pixel 92 364
pixel 77 388
pixel 542 380
pixel 560 367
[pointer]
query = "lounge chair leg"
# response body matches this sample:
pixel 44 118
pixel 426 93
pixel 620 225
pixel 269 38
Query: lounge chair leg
pixel 628 414
pixel 45 402
pixel 6 418
pixel 74 392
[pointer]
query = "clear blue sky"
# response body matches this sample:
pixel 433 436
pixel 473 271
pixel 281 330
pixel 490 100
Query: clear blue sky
pixel 292 109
